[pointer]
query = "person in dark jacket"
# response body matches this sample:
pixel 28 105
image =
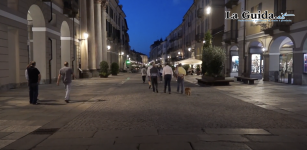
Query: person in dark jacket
pixel 154 74
pixel 34 80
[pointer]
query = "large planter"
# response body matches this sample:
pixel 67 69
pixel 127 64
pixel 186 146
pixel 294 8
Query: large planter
pixel 103 76
pixel 210 78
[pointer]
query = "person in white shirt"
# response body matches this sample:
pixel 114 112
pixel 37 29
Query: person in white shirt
pixel 144 73
pixel 148 73
pixel 167 73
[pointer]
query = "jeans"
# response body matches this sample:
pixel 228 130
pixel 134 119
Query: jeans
pixel 180 84
pixel 68 88
pixel 167 82
pixel 154 82
pixel 144 78
pixel 33 92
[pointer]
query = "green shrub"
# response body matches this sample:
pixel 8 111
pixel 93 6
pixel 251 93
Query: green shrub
pixel 186 67
pixel 114 68
pixel 104 67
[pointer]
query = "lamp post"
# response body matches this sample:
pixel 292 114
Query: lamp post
pixel 110 55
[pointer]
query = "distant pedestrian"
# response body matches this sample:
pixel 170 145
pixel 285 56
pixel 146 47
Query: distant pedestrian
pixel 176 72
pixel 27 76
pixel 34 78
pixel 148 73
pixel 144 73
pixel 167 73
pixel 66 74
pixel 180 78
pixel 154 74
pixel 160 73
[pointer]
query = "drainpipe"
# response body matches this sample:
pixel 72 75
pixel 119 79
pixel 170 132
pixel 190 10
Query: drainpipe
pixel 51 18
pixel 50 61
pixel 244 41
pixel 73 45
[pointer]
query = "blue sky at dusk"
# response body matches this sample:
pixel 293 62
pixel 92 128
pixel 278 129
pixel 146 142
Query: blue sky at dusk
pixel 150 20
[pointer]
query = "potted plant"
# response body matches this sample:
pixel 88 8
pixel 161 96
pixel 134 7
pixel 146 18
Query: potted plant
pixel 104 67
pixel 114 69
pixel 213 60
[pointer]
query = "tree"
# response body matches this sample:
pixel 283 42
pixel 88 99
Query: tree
pixel 213 58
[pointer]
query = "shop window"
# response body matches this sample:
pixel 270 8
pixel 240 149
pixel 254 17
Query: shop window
pixel 257 64
pixel 305 63
pixel 235 64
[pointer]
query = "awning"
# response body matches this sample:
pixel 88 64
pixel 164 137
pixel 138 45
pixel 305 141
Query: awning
pixel 190 61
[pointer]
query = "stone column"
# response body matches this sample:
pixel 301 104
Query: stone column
pixel 92 42
pixel 104 32
pixel 84 41
pixel 299 78
pixel 98 32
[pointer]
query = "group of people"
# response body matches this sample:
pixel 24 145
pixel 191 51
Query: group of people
pixel 33 77
pixel 167 73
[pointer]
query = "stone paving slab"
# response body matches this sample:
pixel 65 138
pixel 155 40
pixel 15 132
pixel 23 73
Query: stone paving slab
pixel 26 142
pixel 180 132
pixel 277 146
pixel 4 143
pixel 167 146
pixel 236 131
pixel 131 133
pixel 291 139
pixel 4 134
pixel 115 147
pixel 158 139
pixel 20 128
pixel 223 138
pixel 77 141
pixel 66 135
pixel 220 146
pixel 62 148
pixel 288 131
pixel 15 136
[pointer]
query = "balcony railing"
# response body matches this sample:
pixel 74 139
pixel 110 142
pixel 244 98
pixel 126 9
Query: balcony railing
pixel 230 3
pixel 199 37
pixel 271 25
pixel 200 12
pixel 71 8
pixel 218 30
pixel 230 36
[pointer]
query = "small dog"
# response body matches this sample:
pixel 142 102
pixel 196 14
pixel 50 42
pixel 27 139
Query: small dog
pixel 187 91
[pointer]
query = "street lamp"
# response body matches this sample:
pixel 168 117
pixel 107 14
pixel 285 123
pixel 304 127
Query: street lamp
pixel 127 55
pixel 208 10
pixel 109 47
pixel 204 41
pixel 178 53
pixel 189 49
pixel 85 36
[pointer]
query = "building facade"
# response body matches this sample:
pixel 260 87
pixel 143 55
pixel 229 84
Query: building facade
pixel 272 51
pixel 52 32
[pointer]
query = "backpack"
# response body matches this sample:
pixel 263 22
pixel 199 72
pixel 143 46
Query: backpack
pixel 144 71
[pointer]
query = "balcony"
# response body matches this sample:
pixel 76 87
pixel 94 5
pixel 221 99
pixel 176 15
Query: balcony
pixel 230 3
pixel 199 37
pixel 71 8
pixel 200 12
pixel 230 36
pixel 269 27
pixel 218 30
pixel 188 43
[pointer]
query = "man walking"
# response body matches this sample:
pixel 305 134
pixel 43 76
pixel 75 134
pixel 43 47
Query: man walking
pixel 66 73
pixel 154 74
pixel 148 74
pixel 180 78
pixel 167 73
pixel 34 77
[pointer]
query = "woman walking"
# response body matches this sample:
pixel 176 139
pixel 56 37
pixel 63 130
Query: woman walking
pixel 144 73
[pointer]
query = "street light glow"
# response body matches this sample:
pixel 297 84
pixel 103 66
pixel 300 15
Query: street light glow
pixel 109 47
pixel 208 10
pixel 122 53
pixel 127 55
pixel 179 53
pixel 189 49
pixel 85 35
pixel 204 41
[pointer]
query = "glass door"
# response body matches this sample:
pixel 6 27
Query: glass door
pixel 286 68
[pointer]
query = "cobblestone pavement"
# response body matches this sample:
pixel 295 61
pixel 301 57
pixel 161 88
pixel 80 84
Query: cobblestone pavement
pixel 122 113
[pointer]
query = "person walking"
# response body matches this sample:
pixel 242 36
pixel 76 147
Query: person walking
pixel 67 74
pixel 180 78
pixel 34 78
pixel 144 73
pixel 154 74
pixel 167 73
pixel 160 73
pixel 148 73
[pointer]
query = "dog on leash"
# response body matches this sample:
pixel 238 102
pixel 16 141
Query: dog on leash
pixel 187 91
